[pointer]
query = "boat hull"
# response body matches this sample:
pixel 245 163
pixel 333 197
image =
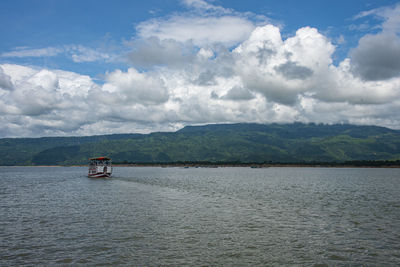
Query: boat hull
pixel 99 175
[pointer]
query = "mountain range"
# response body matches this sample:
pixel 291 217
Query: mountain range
pixel 223 143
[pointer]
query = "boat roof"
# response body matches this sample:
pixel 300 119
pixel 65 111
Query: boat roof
pixel 100 158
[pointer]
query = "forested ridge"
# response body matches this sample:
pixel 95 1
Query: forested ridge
pixel 223 143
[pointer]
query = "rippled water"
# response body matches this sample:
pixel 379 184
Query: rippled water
pixel 199 216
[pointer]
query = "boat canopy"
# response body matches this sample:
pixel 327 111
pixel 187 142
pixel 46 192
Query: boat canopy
pixel 100 158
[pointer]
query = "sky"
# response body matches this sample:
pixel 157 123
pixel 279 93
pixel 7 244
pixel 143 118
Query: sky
pixel 91 67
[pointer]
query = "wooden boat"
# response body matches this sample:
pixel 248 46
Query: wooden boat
pixel 100 167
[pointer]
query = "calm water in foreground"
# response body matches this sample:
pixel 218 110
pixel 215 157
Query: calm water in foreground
pixel 199 216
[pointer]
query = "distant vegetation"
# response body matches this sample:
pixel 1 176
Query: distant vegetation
pixel 220 143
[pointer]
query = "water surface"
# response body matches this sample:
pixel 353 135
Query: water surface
pixel 152 216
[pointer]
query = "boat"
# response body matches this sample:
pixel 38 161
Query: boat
pixel 100 167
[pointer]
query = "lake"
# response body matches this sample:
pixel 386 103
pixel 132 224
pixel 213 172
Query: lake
pixel 151 216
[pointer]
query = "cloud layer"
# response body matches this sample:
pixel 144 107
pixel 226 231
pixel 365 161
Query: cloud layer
pixel 183 73
pixel 77 53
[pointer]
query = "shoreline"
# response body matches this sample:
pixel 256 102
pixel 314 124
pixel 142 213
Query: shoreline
pixel 228 165
pixel 254 166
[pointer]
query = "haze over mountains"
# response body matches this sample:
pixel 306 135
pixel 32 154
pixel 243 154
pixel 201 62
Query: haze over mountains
pixel 240 143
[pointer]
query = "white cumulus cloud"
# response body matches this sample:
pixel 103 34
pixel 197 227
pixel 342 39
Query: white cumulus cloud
pixel 212 65
pixel 377 56
pixel 228 30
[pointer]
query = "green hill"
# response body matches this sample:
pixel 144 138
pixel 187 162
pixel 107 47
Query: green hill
pixel 297 142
